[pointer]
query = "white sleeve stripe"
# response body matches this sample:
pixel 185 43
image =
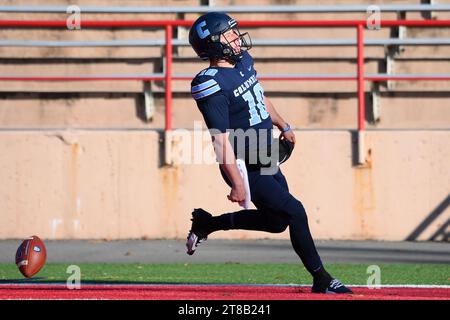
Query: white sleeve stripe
pixel 206 93
pixel 203 85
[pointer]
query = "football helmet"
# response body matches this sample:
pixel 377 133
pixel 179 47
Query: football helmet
pixel 206 37
pixel 285 150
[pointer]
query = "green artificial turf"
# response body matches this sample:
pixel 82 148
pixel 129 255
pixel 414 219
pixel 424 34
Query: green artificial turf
pixel 233 273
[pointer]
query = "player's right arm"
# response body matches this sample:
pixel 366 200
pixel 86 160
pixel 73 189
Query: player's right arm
pixel 227 161
pixel 213 104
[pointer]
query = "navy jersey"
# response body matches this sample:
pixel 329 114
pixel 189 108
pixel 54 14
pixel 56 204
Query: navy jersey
pixel 232 98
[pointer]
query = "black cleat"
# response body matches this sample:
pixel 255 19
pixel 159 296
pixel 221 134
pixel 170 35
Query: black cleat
pixel 333 287
pixel 197 234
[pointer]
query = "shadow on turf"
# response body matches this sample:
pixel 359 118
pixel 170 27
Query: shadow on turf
pixel 31 280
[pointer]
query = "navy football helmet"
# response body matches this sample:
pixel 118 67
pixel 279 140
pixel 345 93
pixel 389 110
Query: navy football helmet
pixel 206 38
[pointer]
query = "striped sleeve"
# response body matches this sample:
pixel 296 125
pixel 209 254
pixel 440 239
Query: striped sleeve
pixel 203 87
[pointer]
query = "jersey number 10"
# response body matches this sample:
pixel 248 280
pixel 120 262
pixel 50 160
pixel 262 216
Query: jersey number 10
pixel 253 104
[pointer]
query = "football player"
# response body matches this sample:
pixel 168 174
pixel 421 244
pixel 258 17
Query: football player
pixel 233 105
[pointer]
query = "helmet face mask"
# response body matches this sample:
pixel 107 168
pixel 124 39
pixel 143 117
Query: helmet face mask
pixel 215 35
pixel 232 47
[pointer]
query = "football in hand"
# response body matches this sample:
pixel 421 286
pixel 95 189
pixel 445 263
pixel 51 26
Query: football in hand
pixel 31 256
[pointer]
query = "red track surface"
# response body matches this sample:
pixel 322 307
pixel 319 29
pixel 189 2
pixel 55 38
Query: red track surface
pixel 210 292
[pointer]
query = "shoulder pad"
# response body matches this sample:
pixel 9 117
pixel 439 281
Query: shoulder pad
pixel 208 72
pixel 204 84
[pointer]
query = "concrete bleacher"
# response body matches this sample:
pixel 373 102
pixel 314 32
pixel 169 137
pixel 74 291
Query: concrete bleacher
pixel 307 104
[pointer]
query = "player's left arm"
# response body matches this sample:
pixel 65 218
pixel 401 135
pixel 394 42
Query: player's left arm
pixel 278 121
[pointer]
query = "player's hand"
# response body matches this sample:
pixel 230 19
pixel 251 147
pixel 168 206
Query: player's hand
pixel 237 194
pixel 289 136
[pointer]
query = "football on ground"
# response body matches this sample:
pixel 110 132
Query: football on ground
pixel 31 256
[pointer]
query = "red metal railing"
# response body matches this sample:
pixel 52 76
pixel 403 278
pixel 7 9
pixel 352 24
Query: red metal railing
pixel 360 64
pixel 168 77
pixel 168 125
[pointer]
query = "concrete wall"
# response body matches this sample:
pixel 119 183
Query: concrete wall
pixel 58 110
pixel 110 184
pixel 103 183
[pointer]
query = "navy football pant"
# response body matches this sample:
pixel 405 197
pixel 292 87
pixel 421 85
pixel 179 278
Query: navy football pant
pixel 276 210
